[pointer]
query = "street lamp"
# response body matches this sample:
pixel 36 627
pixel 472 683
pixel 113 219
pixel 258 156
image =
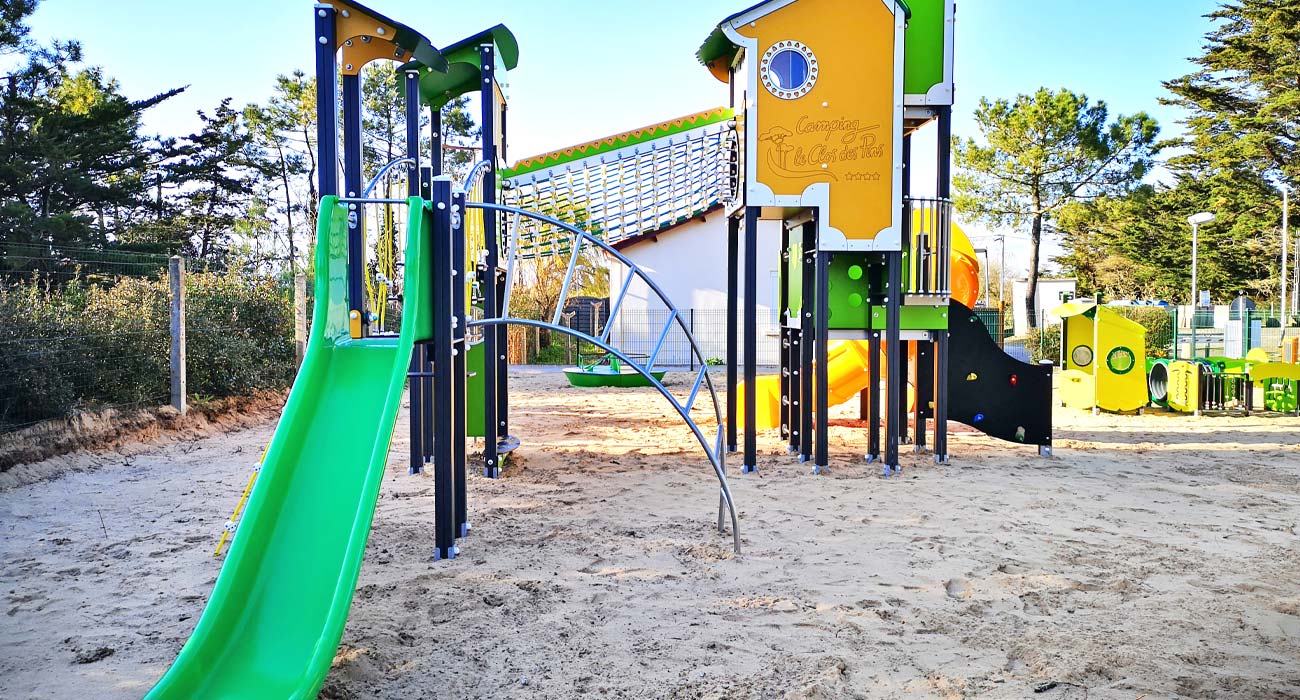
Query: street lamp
pixel 1196 220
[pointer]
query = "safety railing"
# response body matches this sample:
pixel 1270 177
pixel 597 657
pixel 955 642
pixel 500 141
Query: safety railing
pixel 929 225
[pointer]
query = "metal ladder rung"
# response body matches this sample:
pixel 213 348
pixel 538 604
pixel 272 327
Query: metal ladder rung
pixel 663 335
pixel 699 381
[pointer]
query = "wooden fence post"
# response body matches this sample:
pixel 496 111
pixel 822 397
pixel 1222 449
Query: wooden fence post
pixel 176 275
pixel 299 316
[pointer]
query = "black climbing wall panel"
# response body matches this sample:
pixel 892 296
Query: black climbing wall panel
pixel 992 391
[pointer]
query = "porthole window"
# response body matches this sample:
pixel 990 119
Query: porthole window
pixel 1121 360
pixel 788 69
pixel 1081 355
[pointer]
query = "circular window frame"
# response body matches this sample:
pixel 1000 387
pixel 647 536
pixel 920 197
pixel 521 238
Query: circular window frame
pixel 1120 350
pixel 1079 349
pixel 770 81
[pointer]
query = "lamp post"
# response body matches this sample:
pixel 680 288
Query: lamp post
pixel 1196 220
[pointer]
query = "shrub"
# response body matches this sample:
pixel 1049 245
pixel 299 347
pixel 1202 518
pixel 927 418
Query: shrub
pixel 76 345
pixel 1044 343
pixel 1159 323
pixel 239 334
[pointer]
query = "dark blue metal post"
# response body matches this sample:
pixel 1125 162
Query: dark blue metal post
pixel 459 347
pixel 440 277
pixel 807 338
pixel 352 187
pixel 493 348
pixel 944 191
pixel 821 461
pixel 327 116
pixel 416 381
pixel 750 462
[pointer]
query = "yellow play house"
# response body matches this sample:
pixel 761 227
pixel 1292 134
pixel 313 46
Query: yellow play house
pixel 1104 355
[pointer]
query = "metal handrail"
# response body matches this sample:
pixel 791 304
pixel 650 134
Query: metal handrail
pixel 472 179
pixel 365 194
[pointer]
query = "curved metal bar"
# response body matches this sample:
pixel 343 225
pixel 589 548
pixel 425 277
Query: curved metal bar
pixel 715 457
pixel 382 172
pixel 695 348
pixel 474 174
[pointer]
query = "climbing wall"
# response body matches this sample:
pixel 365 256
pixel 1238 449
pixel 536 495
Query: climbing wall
pixel 992 391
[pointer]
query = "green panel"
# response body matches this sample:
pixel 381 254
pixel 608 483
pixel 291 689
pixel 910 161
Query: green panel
pixel 474 390
pixel 794 283
pixel 924 46
pixel 913 318
pixel 278 609
pixel 849 290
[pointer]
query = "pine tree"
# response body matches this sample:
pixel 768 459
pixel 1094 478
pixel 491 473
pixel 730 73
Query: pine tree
pixel 1042 152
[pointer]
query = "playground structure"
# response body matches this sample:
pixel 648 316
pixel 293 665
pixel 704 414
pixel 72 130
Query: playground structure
pixel 278 607
pixel 1100 351
pixel 825 147
pixel 864 263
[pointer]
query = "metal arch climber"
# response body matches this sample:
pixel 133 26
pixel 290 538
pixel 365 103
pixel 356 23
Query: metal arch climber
pixel 715 451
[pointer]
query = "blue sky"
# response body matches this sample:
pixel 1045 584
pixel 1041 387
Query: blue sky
pixel 589 68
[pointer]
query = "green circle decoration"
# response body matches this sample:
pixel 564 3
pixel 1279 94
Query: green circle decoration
pixel 1121 360
pixel 855 272
pixel 1081 355
pixel 855 300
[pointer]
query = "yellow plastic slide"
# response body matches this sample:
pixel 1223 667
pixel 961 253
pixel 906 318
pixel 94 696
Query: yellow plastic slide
pixel 847 372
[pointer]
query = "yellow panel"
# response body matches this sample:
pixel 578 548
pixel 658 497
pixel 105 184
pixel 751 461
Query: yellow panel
pixel 357 53
pixel 1183 391
pixel 351 24
pixel 841 131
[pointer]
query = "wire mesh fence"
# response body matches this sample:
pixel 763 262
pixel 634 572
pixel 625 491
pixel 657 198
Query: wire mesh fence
pixel 85 330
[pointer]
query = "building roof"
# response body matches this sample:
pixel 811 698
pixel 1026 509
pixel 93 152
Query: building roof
pixel 617 141
pixel 652 236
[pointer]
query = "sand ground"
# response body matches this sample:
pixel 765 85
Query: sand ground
pixel 1152 557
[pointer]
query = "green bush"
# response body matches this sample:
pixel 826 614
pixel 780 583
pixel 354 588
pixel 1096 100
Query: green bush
pixel 1044 343
pixel 80 345
pixel 1159 323
pixel 551 355
pixel 239 334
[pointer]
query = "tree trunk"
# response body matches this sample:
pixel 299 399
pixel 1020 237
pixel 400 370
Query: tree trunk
pixel 1031 294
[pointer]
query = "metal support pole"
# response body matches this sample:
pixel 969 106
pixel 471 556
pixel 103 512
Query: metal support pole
pixel 352 186
pixel 944 191
pixel 444 475
pixel 807 339
pixel 417 382
pixel 493 349
pixel 893 350
pixel 460 348
pixel 783 300
pixel 176 279
pixel 733 351
pixel 1195 302
pixel 821 460
pixel 750 462
pixel 914 255
pixel 327 116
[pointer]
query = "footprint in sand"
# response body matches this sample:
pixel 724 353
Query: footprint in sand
pixel 958 588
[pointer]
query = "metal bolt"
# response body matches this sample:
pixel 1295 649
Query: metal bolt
pixel 323 40
pixel 347 14
pixel 348 42
pixel 349 66
pixel 442 205
pixel 320 13
pixel 380 31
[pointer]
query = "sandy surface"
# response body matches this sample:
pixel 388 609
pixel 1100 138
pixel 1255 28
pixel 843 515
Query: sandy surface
pixel 1153 557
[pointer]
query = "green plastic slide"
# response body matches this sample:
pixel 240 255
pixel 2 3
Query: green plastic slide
pixel 277 612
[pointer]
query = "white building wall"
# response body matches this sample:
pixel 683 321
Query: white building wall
pixel 689 264
pixel 1049 296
